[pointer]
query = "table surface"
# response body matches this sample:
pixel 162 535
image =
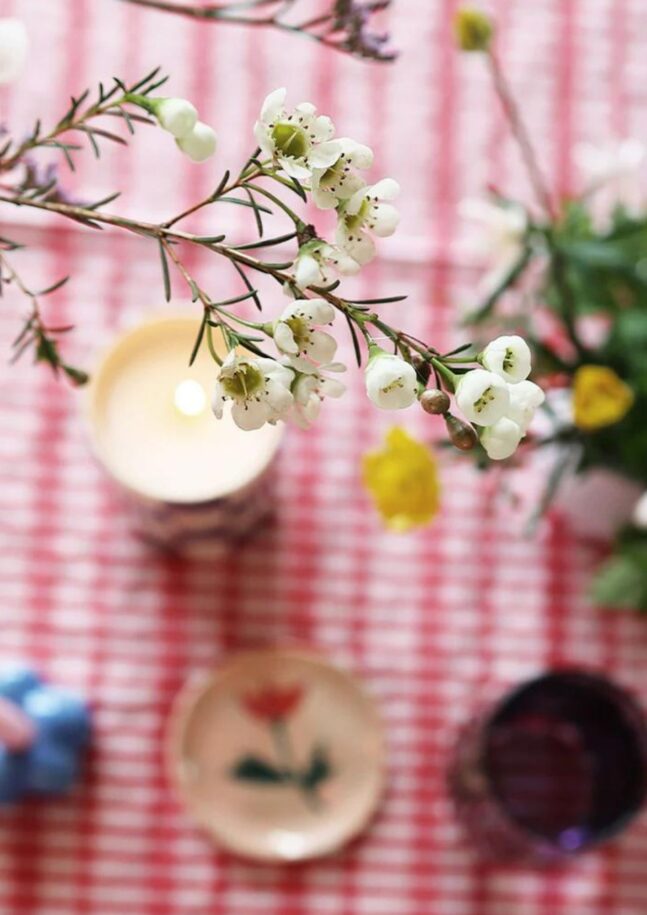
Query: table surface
pixel 429 620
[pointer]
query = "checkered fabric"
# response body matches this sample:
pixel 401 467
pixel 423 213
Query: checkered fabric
pixel 431 620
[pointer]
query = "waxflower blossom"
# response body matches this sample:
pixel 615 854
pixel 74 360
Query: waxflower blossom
pixel 482 397
pixel 176 115
pixel 299 141
pixel 339 182
pixel 259 389
pixel 296 332
pixel 501 439
pixel 391 383
pixel 509 357
pixel 14 45
pixel 363 213
pixel 525 398
pixel 502 236
pixel 200 143
pixel 310 389
pixel 402 479
pixel 317 262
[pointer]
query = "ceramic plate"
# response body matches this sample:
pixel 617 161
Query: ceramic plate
pixel 279 756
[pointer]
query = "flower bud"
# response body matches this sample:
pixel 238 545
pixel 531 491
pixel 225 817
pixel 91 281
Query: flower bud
pixel 461 434
pixel 473 29
pixel 435 401
pixel 176 115
pixel 200 144
pixel 391 383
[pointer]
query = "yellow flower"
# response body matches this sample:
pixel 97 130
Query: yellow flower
pixel 600 397
pixel 403 481
pixel 473 29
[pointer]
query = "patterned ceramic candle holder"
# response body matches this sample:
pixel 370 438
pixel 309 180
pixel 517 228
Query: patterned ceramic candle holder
pixel 191 479
pixel 279 756
pixel 558 766
pixel 43 733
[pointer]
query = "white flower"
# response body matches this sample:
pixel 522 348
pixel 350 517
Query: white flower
pixel 391 383
pixel 365 213
pixel 296 333
pixel 176 115
pixel 502 235
pixel 339 182
pixel 525 398
pixel 614 170
pixel 482 397
pixel 200 144
pixel 14 44
pixel 311 388
pixel 639 517
pixel 316 261
pixel 299 141
pixel 509 357
pixel 259 389
pixel 501 439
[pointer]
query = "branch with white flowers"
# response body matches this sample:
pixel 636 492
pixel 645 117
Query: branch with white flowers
pixel 285 367
pixel 346 26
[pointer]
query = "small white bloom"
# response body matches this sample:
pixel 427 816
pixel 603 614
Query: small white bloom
pixel 259 389
pixel 176 115
pixel 501 439
pixel 391 383
pixel 482 396
pixel 525 398
pixel 640 512
pixel 365 212
pixel 200 144
pixel 501 239
pixel 339 182
pixel 296 332
pixel 614 171
pixel 14 45
pixel 509 357
pixel 299 141
pixel 316 262
pixel 310 389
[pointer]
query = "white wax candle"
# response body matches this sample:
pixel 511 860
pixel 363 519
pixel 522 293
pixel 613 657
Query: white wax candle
pixel 152 425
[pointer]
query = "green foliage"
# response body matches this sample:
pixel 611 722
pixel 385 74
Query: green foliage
pixel 621 582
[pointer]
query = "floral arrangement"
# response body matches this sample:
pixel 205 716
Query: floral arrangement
pixel 281 367
pixel 570 276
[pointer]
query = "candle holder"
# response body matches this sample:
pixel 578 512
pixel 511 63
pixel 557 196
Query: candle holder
pixel 558 766
pixel 191 480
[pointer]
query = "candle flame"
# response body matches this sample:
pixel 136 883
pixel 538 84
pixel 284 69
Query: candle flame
pixel 190 398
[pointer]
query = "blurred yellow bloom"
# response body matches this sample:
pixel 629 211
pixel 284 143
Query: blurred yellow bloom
pixel 403 480
pixel 473 29
pixel 600 397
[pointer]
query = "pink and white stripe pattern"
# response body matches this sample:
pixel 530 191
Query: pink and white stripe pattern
pixel 430 619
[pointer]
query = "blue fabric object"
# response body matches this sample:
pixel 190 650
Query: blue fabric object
pixel 16 681
pixel 63 729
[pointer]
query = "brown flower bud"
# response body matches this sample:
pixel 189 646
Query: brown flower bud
pixel 422 367
pixel 435 401
pixel 473 29
pixel 461 434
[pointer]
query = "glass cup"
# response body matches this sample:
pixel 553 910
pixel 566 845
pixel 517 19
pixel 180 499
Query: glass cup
pixel 559 765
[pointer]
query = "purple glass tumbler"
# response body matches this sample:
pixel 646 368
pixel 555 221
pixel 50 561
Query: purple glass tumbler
pixel 559 765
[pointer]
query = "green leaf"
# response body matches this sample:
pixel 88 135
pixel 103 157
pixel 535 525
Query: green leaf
pixel 622 581
pixel 165 272
pixel 255 769
pixel 319 769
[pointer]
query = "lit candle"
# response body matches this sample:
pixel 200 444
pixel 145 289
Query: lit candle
pixel 151 425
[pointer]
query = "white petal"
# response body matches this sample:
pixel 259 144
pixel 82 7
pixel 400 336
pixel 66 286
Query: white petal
pixel 306 108
pixel 354 204
pixel 307 271
pixel 508 356
pixel 284 338
pixel 322 346
pixel 342 262
pixel 391 383
pixel 278 397
pixel 386 189
pixel 263 138
pixel 250 414
pixel 200 144
pixel 358 155
pixel 525 398
pixel 361 247
pixel 482 397
pixel 218 400
pixel 14 46
pixel 385 219
pixel 316 311
pixel 323 128
pixel 331 387
pixel 501 439
pixel 334 367
pixel 273 105
pixel 324 154
pixel 177 115
pixel 276 371
pixel 323 198
pixel 294 168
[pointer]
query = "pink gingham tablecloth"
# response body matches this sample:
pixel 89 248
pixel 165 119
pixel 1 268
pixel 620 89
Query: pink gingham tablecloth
pixel 429 620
